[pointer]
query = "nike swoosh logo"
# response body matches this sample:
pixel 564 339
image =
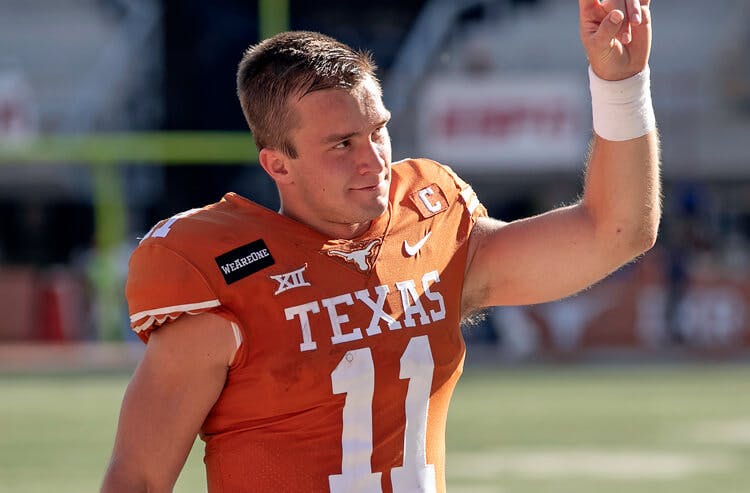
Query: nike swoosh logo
pixel 412 250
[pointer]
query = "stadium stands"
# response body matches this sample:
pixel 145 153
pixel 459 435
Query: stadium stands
pixel 87 65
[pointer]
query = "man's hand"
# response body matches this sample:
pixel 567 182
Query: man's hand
pixel 616 35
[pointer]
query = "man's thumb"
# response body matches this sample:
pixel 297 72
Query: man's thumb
pixel 610 26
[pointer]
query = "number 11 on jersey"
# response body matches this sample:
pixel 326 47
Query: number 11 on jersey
pixel 355 377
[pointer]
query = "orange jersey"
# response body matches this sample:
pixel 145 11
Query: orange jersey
pixel 350 349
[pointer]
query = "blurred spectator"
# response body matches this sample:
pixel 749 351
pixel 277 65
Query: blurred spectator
pixel 686 235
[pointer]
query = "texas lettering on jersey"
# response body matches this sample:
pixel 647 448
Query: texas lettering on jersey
pixel 411 307
pixel 350 349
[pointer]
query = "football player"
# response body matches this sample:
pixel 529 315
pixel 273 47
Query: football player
pixel 315 349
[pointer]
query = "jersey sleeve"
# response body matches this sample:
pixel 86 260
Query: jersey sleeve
pixel 457 192
pixel 468 197
pixel 161 286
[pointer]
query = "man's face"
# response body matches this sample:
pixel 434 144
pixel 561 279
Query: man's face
pixel 341 176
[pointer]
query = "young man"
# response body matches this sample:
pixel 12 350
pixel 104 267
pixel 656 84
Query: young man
pixel 316 349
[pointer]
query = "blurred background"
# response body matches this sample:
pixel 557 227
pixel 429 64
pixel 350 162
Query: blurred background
pixel 115 114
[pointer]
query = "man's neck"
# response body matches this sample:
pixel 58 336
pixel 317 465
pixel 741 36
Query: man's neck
pixel 334 231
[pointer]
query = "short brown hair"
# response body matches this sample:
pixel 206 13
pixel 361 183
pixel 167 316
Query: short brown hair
pixel 289 64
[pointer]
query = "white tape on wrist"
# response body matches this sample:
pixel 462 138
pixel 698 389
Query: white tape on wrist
pixel 622 109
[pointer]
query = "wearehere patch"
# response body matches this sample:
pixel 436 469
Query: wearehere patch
pixel 243 261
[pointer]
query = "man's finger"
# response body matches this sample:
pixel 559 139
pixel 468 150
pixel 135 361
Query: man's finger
pixel 633 11
pixel 610 27
pixel 625 34
pixel 646 14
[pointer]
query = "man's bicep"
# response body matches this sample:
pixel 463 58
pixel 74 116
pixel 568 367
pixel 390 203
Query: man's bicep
pixel 537 259
pixel 174 387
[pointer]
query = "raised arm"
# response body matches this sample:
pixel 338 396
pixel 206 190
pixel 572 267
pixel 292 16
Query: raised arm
pixel 174 387
pixel 558 253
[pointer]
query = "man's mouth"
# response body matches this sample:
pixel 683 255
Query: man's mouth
pixel 370 188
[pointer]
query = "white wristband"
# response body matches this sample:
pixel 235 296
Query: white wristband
pixel 622 109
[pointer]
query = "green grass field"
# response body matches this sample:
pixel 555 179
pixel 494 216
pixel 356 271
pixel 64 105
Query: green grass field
pixel 657 429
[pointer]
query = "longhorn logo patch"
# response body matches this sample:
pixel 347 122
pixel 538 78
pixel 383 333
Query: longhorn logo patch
pixel 360 258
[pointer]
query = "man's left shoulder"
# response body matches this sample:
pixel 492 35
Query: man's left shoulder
pixel 420 172
pixel 432 187
pixel 421 167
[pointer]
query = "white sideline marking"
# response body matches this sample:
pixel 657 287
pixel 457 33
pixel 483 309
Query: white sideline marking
pixel 728 432
pixel 586 463
pixel 453 488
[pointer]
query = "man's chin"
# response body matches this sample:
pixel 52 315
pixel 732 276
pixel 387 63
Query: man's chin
pixel 374 210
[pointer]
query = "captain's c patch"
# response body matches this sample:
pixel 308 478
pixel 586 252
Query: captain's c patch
pixel 429 201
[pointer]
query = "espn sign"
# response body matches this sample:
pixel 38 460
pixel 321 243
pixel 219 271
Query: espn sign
pixel 500 122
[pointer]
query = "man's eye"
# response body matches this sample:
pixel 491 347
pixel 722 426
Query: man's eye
pixel 342 145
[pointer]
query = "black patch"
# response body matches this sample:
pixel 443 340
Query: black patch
pixel 243 261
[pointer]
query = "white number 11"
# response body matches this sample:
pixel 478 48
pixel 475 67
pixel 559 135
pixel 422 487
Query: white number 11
pixel 355 377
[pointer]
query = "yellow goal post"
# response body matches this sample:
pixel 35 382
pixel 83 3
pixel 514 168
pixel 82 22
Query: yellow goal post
pixel 104 154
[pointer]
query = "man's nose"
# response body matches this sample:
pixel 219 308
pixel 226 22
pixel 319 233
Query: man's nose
pixel 371 159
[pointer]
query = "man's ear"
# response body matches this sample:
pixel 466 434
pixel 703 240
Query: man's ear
pixel 276 164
